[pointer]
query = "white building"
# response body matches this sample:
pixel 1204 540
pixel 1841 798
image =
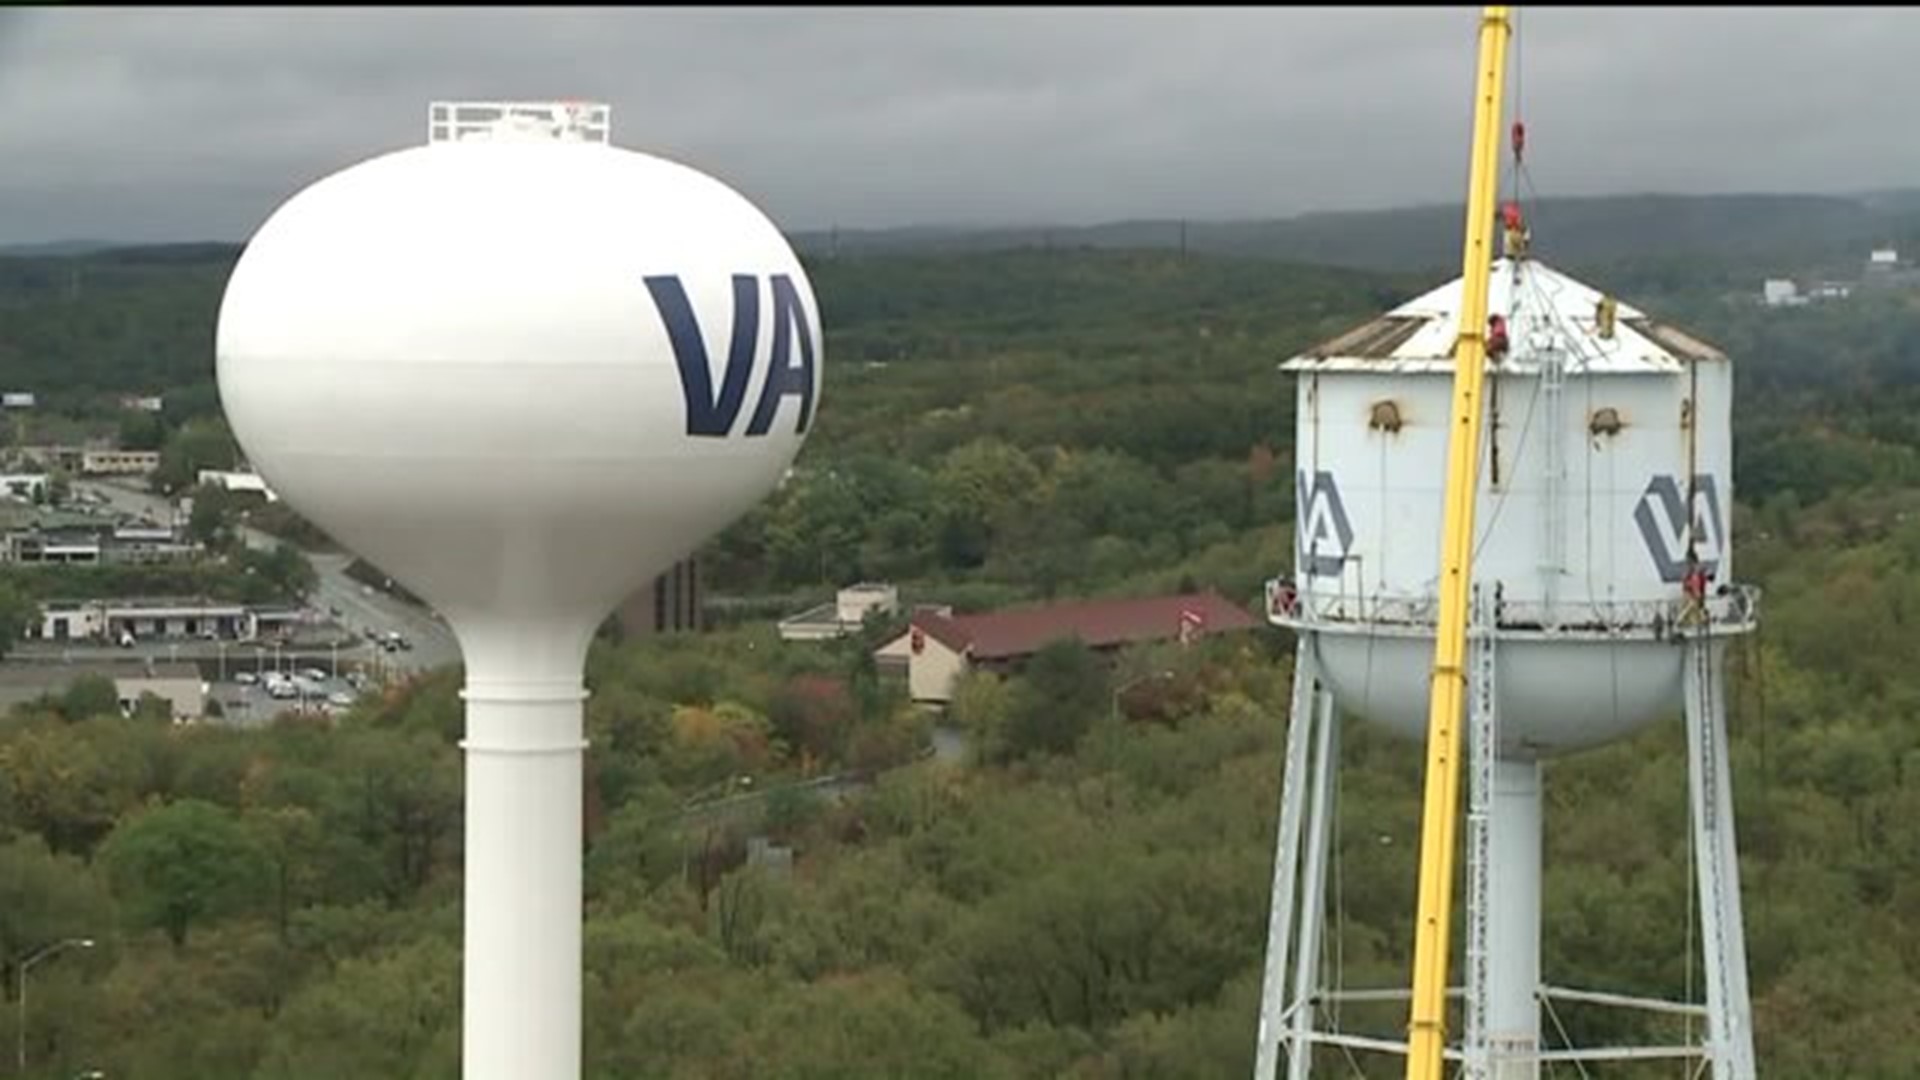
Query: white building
pixel 246 482
pixel 179 685
pixel 1780 292
pixel 26 487
pixel 82 620
pixel 845 615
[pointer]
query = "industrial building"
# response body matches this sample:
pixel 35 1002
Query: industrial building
pixel 669 604
pixel 119 462
pixel 48 536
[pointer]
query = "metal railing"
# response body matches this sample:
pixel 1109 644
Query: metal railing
pixel 577 121
pixel 1729 609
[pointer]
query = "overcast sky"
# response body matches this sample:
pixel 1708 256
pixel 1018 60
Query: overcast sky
pixel 188 123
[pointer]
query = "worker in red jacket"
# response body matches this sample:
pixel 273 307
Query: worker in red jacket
pixel 1694 587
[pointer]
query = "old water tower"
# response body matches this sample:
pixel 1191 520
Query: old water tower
pixel 1602 602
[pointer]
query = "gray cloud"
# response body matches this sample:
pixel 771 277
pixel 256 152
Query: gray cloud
pixel 149 124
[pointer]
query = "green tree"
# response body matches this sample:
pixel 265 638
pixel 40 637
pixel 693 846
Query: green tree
pixel 871 1023
pixel 152 709
pixel 813 715
pixel 982 702
pixel 16 614
pixel 90 696
pixel 394 1014
pixel 142 431
pixel 71 782
pixel 211 522
pixel 978 489
pixel 404 806
pixel 45 898
pixel 1059 695
pixel 179 864
pixel 203 443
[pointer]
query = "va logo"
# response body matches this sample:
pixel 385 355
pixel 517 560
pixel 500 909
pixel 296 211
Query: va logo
pixel 1662 518
pixel 1324 534
pixel 711 414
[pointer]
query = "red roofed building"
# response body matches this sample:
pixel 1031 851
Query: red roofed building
pixel 937 647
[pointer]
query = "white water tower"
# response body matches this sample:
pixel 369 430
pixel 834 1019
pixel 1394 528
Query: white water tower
pixel 1606 495
pixel 523 371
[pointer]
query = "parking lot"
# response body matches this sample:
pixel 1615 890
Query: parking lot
pixel 246 701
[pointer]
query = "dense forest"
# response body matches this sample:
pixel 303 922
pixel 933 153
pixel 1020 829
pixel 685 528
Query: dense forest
pixel 1083 895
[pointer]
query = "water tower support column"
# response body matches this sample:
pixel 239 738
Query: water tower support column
pixel 521 977
pixel 1722 931
pixel 1513 921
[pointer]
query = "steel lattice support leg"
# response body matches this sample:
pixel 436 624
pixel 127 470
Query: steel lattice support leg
pixel 1723 933
pixel 1482 745
pixel 1313 887
pixel 1274 1001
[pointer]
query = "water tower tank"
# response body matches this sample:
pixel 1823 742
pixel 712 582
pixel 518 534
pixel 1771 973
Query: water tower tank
pixel 522 371
pixel 1606 463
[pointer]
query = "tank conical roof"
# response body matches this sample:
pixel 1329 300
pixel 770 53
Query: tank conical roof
pixel 1545 310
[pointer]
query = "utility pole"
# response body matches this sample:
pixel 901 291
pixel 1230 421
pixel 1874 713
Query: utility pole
pixel 20 1025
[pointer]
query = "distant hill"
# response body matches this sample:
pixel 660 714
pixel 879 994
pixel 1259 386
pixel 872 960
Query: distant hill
pixel 84 325
pixel 52 248
pixel 1783 229
pixel 1787 231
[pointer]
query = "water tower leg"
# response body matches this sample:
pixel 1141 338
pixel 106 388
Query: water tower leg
pixel 1722 930
pixel 1286 861
pixel 1313 887
pixel 1513 921
pixel 521 973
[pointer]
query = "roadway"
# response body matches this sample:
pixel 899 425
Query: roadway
pixel 355 606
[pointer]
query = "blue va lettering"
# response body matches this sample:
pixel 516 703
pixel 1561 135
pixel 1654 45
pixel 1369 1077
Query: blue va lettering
pixel 712 415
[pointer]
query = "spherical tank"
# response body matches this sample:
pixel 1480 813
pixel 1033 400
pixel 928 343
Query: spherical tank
pixel 522 375
pixel 1606 463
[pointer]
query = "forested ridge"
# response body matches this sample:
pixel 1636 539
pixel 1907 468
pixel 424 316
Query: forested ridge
pixel 1086 896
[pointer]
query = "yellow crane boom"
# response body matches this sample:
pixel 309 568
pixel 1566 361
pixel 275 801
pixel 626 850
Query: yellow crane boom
pixel 1440 814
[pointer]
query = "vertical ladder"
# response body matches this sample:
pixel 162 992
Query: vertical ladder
pixel 1483 744
pixel 1553 551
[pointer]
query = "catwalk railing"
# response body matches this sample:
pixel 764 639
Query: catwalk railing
pixel 1729 609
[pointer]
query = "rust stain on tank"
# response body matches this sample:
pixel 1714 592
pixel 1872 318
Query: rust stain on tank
pixel 1605 420
pixel 1385 416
